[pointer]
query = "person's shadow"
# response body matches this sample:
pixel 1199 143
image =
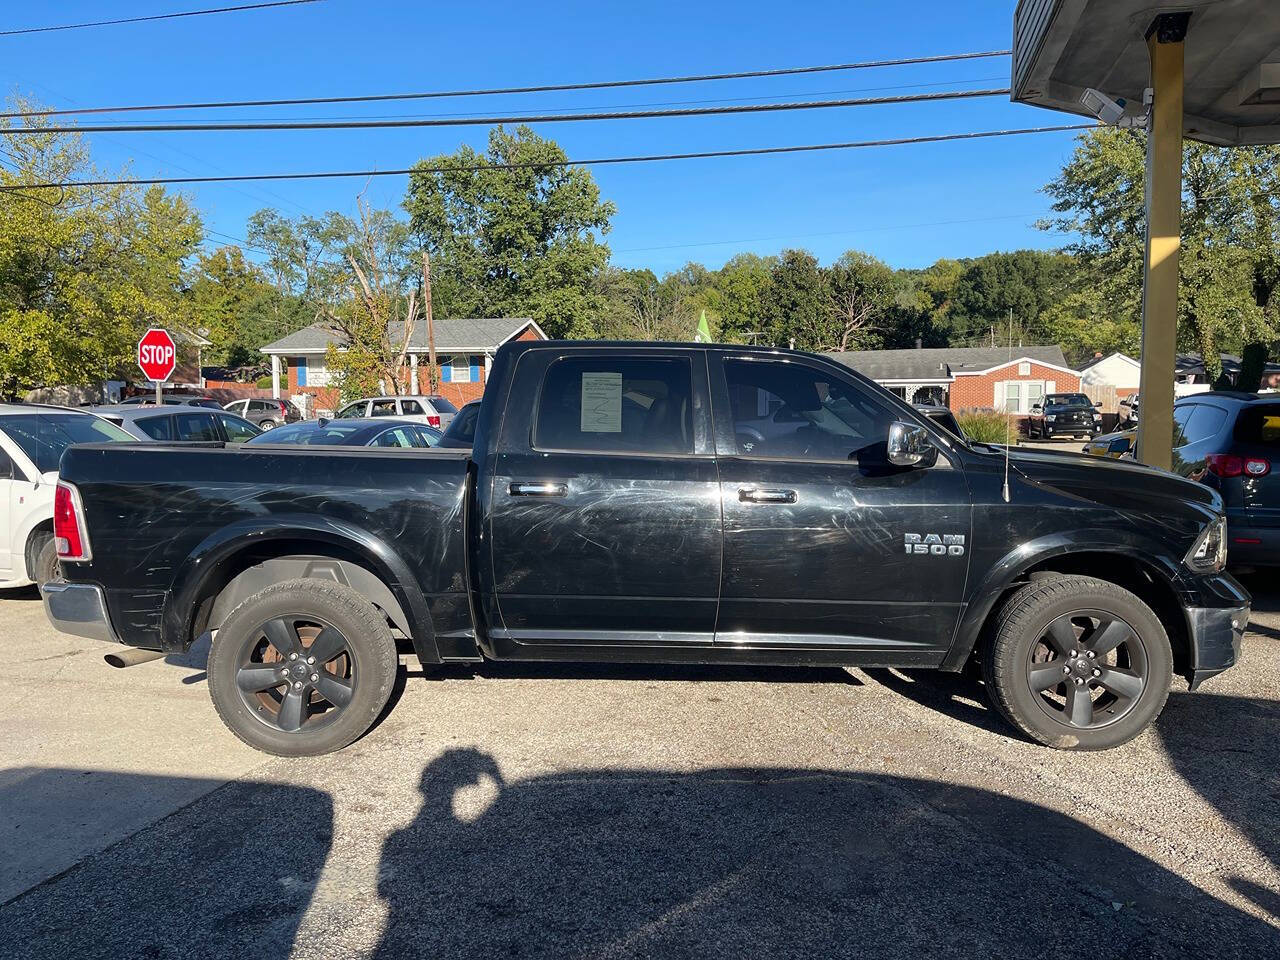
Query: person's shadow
pixel 773 862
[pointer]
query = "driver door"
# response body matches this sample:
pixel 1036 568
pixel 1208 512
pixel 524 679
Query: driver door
pixel 820 532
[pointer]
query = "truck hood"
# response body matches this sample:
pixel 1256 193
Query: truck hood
pixel 1134 488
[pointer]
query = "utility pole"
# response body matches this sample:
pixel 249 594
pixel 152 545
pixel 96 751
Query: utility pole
pixel 433 372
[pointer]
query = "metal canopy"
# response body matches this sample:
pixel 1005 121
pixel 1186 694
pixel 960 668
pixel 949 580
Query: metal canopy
pixel 1062 47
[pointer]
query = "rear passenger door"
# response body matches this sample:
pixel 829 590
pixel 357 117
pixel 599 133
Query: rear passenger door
pixel 604 514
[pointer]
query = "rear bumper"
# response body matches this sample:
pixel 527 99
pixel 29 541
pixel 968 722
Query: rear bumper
pixel 79 609
pixel 1261 546
pixel 1215 634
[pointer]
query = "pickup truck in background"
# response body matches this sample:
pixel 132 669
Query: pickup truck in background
pixel 697 503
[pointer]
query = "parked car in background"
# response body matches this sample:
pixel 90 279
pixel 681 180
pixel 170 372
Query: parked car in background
pixel 433 410
pixel 461 433
pixel 1231 442
pixel 266 414
pixel 1113 445
pixel 1062 415
pixel 943 417
pixel 353 433
pixel 174 424
pixel 172 400
pixel 1129 410
pixel 32 440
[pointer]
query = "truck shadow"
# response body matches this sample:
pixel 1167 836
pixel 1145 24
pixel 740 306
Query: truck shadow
pixel 773 862
pixel 229 874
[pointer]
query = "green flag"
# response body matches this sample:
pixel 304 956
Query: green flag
pixel 704 332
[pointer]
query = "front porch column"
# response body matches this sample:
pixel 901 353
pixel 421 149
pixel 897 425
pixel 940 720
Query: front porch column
pixel 413 374
pixel 275 375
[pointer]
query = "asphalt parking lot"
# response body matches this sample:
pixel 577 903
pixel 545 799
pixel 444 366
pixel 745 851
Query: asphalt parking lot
pixel 616 812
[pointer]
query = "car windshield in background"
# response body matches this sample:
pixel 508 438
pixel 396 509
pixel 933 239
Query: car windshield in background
pixel 311 434
pixel 1067 400
pixel 441 404
pixel 44 436
pixel 1259 425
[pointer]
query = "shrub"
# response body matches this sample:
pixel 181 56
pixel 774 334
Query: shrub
pixel 987 426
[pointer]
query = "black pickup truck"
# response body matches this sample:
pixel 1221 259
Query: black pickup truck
pixel 659 503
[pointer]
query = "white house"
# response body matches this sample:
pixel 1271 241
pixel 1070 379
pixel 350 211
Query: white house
pixel 1118 370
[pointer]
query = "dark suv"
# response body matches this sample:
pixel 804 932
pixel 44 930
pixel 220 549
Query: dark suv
pixel 1064 414
pixel 266 413
pixel 1231 441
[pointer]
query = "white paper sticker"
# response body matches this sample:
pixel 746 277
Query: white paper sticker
pixel 602 402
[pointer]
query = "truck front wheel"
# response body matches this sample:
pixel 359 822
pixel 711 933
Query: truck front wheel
pixel 302 668
pixel 1078 663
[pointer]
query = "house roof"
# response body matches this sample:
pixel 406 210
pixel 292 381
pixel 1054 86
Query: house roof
pixel 453 335
pixel 942 363
pixel 1094 361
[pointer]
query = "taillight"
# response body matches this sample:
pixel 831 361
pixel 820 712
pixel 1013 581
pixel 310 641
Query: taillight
pixel 1229 465
pixel 69 535
pixel 433 420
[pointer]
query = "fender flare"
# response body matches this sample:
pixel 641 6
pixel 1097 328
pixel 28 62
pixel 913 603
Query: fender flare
pixel 1145 551
pixel 209 559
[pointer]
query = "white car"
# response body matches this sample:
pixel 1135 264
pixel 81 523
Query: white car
pixel 32 439
pixel 433 410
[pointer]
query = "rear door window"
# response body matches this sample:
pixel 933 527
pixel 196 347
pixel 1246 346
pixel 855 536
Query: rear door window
pixel 411 408
pixel 622 405
pixel 157 428
pixel 1205 423
pixel 398 437
pixel 196 426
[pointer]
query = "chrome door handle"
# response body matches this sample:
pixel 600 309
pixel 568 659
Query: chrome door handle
pixel 758 495
pixel 521 489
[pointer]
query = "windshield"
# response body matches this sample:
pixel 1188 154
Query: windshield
pixel 311 434
pixel 1067 400
pixel 44 436
pixel 463 426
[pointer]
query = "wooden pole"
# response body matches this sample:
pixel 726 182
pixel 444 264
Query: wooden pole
pixel 433 372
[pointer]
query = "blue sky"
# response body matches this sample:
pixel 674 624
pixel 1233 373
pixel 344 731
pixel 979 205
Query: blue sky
pixel 908 205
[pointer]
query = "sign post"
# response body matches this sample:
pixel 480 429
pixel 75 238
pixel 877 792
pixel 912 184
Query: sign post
pixel 157 358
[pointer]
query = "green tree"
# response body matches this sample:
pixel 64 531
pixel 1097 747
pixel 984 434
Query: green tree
pixel 1228 265
pixel 861 300
pixel 235 305
pixel 519 236
pixel 1024 282
pixel 799 303
pixel 737 297
pixel 83 271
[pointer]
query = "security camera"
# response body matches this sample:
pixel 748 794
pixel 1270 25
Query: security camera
pixel 1109 111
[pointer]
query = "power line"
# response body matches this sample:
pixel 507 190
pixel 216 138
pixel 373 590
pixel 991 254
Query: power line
pixel 492 121
pixel 541 88
pixel 598 161
pixel 158 16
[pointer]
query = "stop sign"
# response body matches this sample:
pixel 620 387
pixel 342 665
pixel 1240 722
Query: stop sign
pixel 157 355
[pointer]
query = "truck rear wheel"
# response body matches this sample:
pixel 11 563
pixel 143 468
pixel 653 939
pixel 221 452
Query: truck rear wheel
pixel 302 668
pixel 1078 663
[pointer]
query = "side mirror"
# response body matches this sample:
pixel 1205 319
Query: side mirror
pixel 1036 408
pixel 909 446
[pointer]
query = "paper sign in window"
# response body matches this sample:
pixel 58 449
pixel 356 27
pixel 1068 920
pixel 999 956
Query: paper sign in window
pixel 602 402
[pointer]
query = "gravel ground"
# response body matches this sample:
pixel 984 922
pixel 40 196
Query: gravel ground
pixel 681 812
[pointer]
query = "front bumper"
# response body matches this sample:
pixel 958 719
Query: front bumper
pixel 1215 634
pixel 79 609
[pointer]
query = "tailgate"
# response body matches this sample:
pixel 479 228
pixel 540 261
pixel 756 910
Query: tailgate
pixel 1257 437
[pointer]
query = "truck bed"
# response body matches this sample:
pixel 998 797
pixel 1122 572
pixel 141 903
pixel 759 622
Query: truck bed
pixel 159 512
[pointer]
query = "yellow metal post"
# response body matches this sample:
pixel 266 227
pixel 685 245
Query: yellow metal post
pixel 1164 220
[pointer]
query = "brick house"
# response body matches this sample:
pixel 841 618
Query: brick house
pixel 968 378
pixel 464 351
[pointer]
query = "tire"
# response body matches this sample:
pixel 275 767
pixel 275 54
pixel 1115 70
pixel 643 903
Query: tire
pixel 48 569
pixel 251 650
pixel 1047 693
pixel 266 425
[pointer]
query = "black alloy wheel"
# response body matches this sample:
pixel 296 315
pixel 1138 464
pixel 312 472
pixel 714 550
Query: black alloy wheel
pixel 1088 669
pixel 296 671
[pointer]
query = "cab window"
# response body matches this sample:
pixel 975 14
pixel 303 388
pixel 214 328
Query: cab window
pixel 196 427
pixel 792 411
pixel 616 406
pixel 411 408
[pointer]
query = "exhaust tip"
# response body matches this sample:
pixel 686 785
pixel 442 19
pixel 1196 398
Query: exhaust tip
pixel 132 656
